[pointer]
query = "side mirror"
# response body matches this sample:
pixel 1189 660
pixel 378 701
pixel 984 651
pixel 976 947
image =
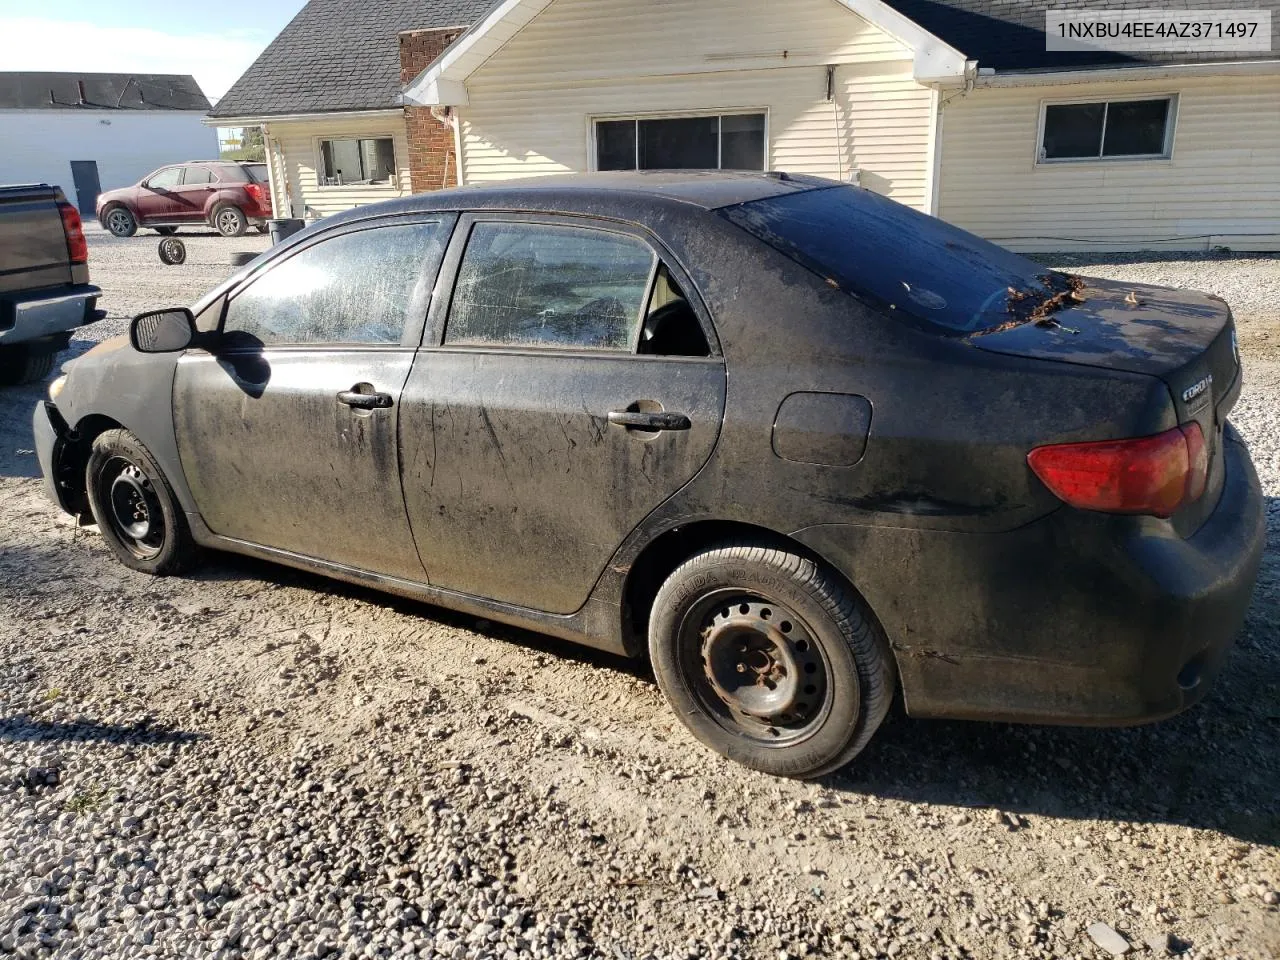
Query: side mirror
pixel 163 331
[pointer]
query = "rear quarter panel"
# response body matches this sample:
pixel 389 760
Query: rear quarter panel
pixel 950 425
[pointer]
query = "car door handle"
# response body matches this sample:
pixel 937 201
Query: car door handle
pixel 649 421
pixel 365 401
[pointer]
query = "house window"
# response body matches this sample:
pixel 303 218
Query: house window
pixel 718 142
pixel 1107 129
pixel 349 161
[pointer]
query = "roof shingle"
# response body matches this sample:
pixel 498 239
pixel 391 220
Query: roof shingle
pixel 337 55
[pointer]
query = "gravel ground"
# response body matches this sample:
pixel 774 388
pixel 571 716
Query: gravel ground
pixel 253 762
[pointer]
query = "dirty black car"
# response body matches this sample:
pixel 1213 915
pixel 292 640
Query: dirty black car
pixel 804 446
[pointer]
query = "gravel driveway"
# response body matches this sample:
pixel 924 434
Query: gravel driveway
pixel 254 762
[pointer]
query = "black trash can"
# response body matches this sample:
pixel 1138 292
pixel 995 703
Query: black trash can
pixel 285 228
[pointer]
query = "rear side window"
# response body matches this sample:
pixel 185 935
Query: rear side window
pixel 533 284
pixel 905 263
pixel 352 288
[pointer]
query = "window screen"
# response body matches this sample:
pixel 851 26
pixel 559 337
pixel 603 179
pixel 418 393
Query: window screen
pixel 353 288
pixel 1118 128
pixel 370 161
pixel 532 284
pixel 728 142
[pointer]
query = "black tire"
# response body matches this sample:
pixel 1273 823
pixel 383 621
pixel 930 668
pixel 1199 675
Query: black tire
pixel 172 251
pixel 748 609
pixel 165 231
pixel 22 363
pixel 229 220
pixel 119 221
pixel 123 476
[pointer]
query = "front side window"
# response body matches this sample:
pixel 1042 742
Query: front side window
pixel 352 288
pixel 725 142
pixel 357 161
pixel 165 179
pixel 533 284
pixel 1106 130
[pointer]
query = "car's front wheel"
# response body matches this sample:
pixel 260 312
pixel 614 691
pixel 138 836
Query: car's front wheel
pixel 120 222
pixel 770 660
pixel 230 221
pixel 135 508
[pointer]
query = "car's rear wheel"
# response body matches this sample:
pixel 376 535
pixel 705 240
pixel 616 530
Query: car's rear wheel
pixel 120 222
pixel 25 363
pixel 135 508
pixel 770 660
pixel 229 221
pixel 166 231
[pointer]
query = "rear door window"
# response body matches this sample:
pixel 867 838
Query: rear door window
pixel 907 264
pixel 193 176
pixel 550 285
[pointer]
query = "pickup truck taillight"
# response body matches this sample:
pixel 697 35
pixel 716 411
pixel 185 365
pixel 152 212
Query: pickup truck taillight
pixel 1151 475
pixel 77 246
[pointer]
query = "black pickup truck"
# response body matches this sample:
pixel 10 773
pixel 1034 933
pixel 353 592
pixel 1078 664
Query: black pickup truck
pixel 44 280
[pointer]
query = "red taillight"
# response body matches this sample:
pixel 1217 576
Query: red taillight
pixel 1153 475
pixel 77 246
pixel 258 193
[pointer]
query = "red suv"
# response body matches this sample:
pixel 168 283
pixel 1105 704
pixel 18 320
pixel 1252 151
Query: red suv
pixel 226 195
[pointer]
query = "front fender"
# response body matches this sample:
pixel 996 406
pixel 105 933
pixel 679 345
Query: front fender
pixel 115 384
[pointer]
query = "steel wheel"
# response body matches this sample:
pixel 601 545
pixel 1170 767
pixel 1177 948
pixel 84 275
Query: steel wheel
pixel 755 667
pixel 134 510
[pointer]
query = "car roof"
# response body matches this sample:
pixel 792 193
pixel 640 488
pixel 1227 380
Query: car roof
pixel 619 194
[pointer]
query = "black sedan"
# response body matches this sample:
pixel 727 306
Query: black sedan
pixel 805 447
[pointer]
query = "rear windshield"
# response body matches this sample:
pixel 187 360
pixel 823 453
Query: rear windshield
pixel 257 172
pixel 905 263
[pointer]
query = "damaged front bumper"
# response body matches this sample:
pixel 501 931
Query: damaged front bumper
pixel 52 436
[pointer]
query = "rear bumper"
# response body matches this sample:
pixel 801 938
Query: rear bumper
pixel 31 316
pixel 1078 618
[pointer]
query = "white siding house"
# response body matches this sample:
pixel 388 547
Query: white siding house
pixel 840 94
pixel 953 107
pixel 295 152
pixel 109 130
pixel 941 105
pixel 1218 185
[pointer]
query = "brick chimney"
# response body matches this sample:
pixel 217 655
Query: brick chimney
pixel 433 161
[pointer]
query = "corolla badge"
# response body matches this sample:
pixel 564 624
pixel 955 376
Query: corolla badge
pixel 1197 388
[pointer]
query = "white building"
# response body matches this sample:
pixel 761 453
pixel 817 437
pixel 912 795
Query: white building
pixel 954 107
pixel 89 132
